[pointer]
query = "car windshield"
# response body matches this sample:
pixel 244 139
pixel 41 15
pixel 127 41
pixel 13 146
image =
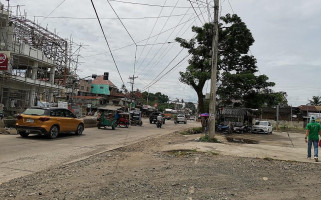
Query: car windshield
pixel 180 115
pixel 33 111
pixel 261 123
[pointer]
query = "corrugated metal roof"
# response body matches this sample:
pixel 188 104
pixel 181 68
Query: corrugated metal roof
pixel 235 111
pixel 100 81
pixel 308 108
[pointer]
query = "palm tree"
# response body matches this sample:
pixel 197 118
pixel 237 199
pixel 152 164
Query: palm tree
pixel 315 101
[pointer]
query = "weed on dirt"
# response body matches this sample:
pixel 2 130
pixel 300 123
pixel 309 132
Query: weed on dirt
pixel 191 131
pixel 241 140
pixel 206 138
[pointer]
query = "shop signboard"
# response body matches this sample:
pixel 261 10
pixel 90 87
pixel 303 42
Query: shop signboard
pixel 4 60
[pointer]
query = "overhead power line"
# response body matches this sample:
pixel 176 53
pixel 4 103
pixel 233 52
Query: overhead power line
pixel 54 10
pixel 197 2
pixel 111 53
pixel 166 50
pixel 195 11
pixel 158 35
pixel 160 12
pixel 165 31
pixel 230 5
pixel 145 4
pixel 163 45
pixel 139 45
pixel 167 65
pixel 121 22
pixel 114 18
pixel 167 72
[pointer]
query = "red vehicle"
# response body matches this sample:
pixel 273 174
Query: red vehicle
pixel 124 120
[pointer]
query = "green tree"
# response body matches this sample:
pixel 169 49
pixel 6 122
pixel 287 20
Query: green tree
pixel 158 98
pixel 236 69
pixel 315 101
pixel 191 106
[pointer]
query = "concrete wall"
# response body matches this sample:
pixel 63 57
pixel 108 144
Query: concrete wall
pixel 100 89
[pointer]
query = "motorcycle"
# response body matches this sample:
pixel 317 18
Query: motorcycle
pixel 224 128
pixel 242 129
pixel 159 124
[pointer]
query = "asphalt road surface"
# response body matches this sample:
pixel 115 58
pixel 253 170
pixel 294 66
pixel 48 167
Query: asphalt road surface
pixel 22 156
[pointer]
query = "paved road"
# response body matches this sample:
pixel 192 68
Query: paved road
pixel 23 156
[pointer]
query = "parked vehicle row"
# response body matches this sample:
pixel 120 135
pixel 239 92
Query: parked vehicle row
pixel 259 127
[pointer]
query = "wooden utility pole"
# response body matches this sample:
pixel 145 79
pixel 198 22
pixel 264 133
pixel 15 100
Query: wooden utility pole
pixel 132 82
pixel 214 72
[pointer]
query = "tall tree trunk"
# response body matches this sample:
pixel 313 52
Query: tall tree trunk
pixel 200 102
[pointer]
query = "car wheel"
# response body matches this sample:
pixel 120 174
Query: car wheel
pixel 80 129
pixel 113 127
pixel 54 131
pixel 23 133
pixel 184 122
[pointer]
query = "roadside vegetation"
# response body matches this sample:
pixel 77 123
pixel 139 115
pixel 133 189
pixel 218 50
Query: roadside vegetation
pixel 191 131
pixel 206 138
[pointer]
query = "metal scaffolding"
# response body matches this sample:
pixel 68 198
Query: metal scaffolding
pixel 42 64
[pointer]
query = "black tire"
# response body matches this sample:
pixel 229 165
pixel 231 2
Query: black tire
pixel 184 122
pixel 23 134
pixel 80 129
pixel 113 127
pixel 53 132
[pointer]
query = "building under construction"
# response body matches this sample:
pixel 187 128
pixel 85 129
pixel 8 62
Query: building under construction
pixel 33 63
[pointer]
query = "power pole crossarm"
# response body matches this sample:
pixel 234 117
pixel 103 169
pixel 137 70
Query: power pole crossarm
pixel 214 72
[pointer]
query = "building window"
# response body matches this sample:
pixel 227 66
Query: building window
pixel 82 87
pixel 101 87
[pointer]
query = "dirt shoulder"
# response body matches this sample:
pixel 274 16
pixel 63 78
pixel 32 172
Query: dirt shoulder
pixel 144 171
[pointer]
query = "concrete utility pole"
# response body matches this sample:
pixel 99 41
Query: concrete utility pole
pixel 277 116
pixel 147 96
pixel 132 82
pixel 214 72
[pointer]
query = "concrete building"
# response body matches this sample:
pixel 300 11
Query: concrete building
pixel 35 57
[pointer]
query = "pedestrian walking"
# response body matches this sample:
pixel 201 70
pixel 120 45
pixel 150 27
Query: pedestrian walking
pixel 204 122
pixel 313 130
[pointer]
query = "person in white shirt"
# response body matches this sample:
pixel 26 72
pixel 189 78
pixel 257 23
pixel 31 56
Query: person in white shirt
pixel 160 118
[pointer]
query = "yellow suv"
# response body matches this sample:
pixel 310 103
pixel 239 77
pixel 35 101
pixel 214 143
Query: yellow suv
pixel 48 121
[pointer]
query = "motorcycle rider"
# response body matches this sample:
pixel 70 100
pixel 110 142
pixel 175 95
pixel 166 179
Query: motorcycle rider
pixel 160 119
pixel 175 118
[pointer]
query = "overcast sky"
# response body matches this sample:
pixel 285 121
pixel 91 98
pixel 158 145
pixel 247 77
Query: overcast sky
pixel 286 33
